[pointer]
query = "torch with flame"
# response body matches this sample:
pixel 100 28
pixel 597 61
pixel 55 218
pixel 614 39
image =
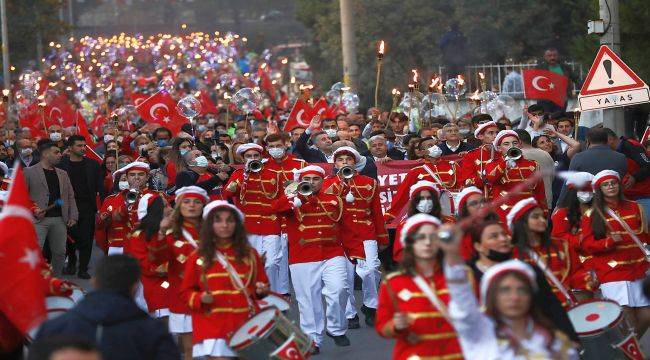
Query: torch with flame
pixel 435 83
pixel 396 94
pixel 482 82
pixel 415 84
pixel 380 50
pixel 380 57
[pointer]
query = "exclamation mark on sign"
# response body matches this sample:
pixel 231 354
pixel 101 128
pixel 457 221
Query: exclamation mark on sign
pixel 608 68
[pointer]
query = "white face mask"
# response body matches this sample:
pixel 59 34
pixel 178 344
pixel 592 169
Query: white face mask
pixel 464 132
pixel 435 151
pixel 276 153
pixel 215 155
pixel 108 138
pixel 585 196
pixel 26 151
pixel 124 185
pixel 331 133
pixel 425 206
pixel 201 161
pixel 55 136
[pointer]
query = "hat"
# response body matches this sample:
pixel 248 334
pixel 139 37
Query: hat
pixel 416 221
pixel 249 146
pixel 578 180
pixel 464 194
pixel 503 134
pixel 308 170
pixel 505 267
pixel 145 201
pixel 519 209
pixel 347 150
pixel 423 185
pixel 221 204
pixel 604 176
pixel 192 192
pixel 482 127
pixel 134 166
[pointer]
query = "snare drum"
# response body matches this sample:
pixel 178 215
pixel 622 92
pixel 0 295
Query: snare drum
pixel 274 300
pixel 264 333
pixel 600 325
pixel 55 306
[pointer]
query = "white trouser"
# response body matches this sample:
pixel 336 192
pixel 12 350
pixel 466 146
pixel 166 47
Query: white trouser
pixel 114 250
pixel 283 273
pixel 368 271
pixel 139 297
pixel 268 246
pixel 321 278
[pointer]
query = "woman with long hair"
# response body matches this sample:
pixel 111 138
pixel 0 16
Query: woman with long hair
pixel 154 290
pixel 512 325
pixel 222 280
pixel 534 244
pixel 562 159
pixel 175 162
pixel 424 199
pixel 609 233
pixel 178 238
pixel 467 204
pixel 413 301
pixel 109 165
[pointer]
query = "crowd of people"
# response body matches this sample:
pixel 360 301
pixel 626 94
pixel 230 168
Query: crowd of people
pixel 502 225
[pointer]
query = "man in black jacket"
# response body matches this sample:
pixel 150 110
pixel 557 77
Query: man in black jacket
pixel 86 177
pixel 110 318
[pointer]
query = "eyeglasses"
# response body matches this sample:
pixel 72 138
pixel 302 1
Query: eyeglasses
pixel 609 184
pixel 476 203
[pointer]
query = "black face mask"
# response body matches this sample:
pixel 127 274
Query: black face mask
pixel 498 256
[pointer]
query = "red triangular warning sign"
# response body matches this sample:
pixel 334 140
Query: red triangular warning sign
pixel 609 73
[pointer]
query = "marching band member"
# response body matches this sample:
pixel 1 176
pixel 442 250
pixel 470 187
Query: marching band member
pixel 118 213
pixel 443 173
pixel 222 280
pixel 424 199
pixel 467 203
pixel 504 173
pixel 512 325
pixel 362 230
pixel 317 261
pixel 152 292
pixel 472 165
pixel 608 234
pixel 178 238
pixel 413 301
pixel 253 189
pixel 567 220
pixel 283 164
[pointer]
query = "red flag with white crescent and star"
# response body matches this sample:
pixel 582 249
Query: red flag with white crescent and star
pixel 542 84
pixel 300 116
pixel 23 288
pixel 288 351
pixel 160 108
pixel 646 135
pixel 630 347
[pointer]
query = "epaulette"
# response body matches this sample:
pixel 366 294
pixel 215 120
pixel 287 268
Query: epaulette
pixel 169 231
pixel 136 233
pixel 588 212
pixel 393 274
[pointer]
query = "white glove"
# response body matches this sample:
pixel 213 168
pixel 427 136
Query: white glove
pixel 510 163
pixel 349 197
pixel 296 202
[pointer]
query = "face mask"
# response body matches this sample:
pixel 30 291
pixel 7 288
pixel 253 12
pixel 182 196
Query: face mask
pixel 9 143
pixel 201 161
pixel 331 133
pixel 184 151
pixel 142 147
pixel 124 185
pixel 55 136
pixel 435 151
pixel 585 196
pixel 162 142
pixel 201 128
pixel 425 206
pixel 464 132
pixel 276 153
pixel 215 156
pixel 108 138
pixel 26 151
pixel 498 256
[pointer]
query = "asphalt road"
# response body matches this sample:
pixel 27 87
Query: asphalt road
pixel 365 343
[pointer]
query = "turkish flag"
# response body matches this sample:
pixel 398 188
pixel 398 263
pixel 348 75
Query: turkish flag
pixel 23 288
pixel 160 108
pixel 91 154
pixel 320 107
pixel 288 351
pixel 283 103
pixel 82 129
pixel 138 98
pixel 207 106
pixel 630 347
pixel 34 119
pixel 545 85
pixel 59 112
pixel 97 124
pixel 300 116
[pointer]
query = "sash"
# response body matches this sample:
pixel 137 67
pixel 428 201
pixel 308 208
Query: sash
pixel 549 275
pixel 431 296
pixel 435 177
pixel 236 280
pixel 189 238
pixel 629 230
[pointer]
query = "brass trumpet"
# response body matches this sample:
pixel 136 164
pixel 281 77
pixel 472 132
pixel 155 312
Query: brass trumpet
pixel 305 189
pixel 254 166
pixel 514 153
pixel 131 197
pixel 347 172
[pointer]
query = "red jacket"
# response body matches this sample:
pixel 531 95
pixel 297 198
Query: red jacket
pixel 252 194
pixel 617 261
pixel 229 310
pixel 502 180
pixel 562 230
pixel 362 219
pixel 436 336
pixel 472 166
pixel 445 171
pixel 398 249
pixel 154 276
pixel 284 170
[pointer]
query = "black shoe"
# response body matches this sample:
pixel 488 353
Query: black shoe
pixel 340 340
pixel 69 270
pixel 354 322
pixel 370 315
pixel 315 351
pixel 83 275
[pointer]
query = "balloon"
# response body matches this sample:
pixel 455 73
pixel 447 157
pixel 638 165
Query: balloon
pixel 246 100
pixel 488 95
pixel 189 106
pixel 166 84
pixel 455 88
pixel 351 102
pixel 432 105
pixel 339 86
pixel 29 79
pixel 333 97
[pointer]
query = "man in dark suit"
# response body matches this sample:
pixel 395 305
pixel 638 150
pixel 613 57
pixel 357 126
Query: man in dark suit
pixel 379 149
pixel 452 144
pixel 322 150
pixel 86 177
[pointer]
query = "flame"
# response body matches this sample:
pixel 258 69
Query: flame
pixel 475 96
pixel 461 80
pixel 481 75
pixel 415 76
pixel 395 91
pixel 381 47
pixel 434 82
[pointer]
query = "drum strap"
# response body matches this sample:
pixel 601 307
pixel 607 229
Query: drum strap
pixel 434 176
pixel 549 275
pixel 190 239
pixel 236 280
pixel 431 295
pixel 629 230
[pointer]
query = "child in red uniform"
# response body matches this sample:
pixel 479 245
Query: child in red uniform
pixel 222 279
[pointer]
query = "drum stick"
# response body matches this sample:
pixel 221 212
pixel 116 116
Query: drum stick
pixel 627 229
pixel 549 274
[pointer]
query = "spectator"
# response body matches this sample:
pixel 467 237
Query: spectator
pixel 452 144
pixel 199 172
pixel 354 129
pixel 561 159
pixel 162 136
pixel 110 318
pixel 544 162
pixel 25 153
pixel 322 141
pixel 533 121
pixel 175 163
pixel 513 84
pixel 63 348
pixel 379 149
pixel 466 132
pixel 552 63
pixel 565 127
pixel 88 184
pixel 397 123
pixel 56 210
